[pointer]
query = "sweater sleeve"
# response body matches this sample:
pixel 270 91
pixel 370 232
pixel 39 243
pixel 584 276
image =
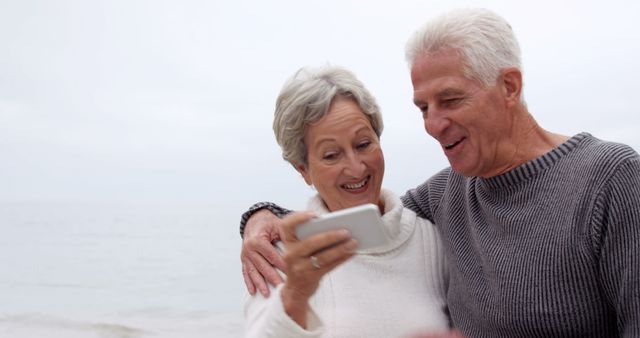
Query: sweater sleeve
pixel 417 199
pixel 266 318
pixel 420 199
pixel 616 238
pixel 275 209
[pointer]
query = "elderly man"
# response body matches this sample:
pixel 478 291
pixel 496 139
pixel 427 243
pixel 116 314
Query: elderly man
pixel 541 231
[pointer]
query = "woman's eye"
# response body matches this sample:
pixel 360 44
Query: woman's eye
pixel 330 156
pixel 364 145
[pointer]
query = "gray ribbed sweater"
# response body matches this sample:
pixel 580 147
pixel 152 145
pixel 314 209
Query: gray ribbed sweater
pixel 549 249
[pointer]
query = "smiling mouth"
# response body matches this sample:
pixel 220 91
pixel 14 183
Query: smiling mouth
pixel 452 145
pixel 357 185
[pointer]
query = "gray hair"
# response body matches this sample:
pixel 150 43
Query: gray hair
pixel 306 98
pixel 483 39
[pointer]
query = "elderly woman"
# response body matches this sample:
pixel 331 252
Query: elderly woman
pixel 328 126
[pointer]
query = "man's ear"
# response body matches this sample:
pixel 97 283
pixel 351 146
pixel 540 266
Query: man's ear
pixel 304 172
pixel 512 85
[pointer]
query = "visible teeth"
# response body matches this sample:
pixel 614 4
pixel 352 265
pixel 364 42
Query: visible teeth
pixel 357 185
pixel 451 145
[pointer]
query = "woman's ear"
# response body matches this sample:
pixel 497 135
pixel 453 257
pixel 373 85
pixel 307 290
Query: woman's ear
pixel 305 173
pixel 512 84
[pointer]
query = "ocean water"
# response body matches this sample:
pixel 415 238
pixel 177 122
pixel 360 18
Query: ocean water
pixel 80 270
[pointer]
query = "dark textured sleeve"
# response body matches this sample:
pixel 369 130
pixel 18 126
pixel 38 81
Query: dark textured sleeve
pixel 420 199
pixel 274 208
pixel 616 234
pixel 417 200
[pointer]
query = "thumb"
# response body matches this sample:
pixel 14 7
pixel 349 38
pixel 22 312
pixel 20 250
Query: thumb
pixel 291 221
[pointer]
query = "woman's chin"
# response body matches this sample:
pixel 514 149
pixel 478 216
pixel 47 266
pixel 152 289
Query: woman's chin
pixel 354 202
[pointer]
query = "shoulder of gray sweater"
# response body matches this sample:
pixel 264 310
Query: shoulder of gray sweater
pixel 604 155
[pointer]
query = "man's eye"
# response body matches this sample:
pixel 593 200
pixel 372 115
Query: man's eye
pixel 452 101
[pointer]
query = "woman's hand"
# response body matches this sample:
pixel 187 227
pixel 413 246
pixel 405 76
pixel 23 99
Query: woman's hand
pixel 307 261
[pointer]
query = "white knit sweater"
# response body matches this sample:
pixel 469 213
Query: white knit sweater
pixel 391 291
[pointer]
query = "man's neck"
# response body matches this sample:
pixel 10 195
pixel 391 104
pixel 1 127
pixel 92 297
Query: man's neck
pixel 527 141
pixel 534 141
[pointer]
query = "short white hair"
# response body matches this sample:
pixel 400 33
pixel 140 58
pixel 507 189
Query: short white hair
pixel 306 98
pixel 484 41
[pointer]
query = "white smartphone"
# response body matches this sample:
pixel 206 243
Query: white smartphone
pixel 363 222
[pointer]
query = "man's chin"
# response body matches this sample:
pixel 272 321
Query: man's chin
pixel 462 170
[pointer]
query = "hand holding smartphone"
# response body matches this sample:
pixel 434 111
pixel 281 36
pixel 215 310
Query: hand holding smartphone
pixel 363 222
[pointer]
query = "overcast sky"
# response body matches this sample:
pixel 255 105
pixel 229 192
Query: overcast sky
pixel 172 101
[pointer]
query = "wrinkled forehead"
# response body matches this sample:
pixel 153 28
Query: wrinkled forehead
pixel 435 65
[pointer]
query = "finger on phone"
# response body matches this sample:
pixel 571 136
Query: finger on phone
pixel 292 220
pixel 325 240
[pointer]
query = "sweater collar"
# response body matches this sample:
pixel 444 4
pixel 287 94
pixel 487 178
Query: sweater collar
pixel 533 167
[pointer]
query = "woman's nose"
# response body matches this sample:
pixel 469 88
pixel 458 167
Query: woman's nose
pixel 355 166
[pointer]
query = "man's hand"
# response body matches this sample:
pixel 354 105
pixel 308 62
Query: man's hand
pixel 258 254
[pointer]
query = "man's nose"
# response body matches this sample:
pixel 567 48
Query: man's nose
pixel 435 125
